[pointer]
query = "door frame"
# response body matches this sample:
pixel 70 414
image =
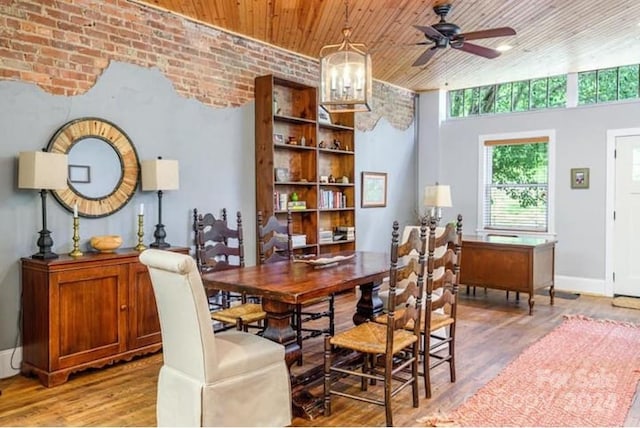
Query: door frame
pixel 612 136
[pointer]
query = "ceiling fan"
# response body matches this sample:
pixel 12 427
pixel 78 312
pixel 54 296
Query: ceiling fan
pixel 445 34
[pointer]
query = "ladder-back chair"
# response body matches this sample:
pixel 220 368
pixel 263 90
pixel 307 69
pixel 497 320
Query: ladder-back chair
pixel 390 350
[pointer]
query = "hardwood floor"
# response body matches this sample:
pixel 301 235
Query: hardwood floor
pixel 491 333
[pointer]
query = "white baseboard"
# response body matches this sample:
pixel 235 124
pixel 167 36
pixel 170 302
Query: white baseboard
pixel 575 284
pixel 5 362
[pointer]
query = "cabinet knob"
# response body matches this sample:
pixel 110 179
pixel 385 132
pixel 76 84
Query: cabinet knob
pixel 123 307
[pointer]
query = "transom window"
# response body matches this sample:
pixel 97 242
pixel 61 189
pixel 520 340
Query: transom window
pixel 547 92
pixel 515 184
pixel 609 84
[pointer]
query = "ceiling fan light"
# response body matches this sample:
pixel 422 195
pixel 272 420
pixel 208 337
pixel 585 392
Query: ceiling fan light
pixel 504 48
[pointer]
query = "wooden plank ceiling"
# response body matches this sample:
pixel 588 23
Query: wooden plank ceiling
pixel 553 36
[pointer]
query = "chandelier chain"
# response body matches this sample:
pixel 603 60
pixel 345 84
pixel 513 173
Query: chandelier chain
pixel 346 6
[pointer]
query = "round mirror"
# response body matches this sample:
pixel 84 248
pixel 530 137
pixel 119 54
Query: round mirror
pixel 103 166
pixel 94 168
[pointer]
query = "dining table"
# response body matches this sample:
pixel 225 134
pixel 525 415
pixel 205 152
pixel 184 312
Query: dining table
pixel 283 285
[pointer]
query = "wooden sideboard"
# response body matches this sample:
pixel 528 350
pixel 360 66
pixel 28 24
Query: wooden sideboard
pixel 84 312
pixel 508 263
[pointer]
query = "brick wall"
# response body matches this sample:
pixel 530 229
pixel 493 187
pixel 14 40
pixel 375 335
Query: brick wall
pixel 64 45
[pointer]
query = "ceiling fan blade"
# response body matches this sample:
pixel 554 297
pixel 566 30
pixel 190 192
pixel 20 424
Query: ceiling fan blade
pixel 425 57
pixel 478 50
pixel 486 34
pixel 430 32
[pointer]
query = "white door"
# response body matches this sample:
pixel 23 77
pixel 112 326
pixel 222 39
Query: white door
pixel 626 235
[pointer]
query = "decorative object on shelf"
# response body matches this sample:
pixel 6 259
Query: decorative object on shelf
pixel 276 109
pixel 322 144
pixel 278 139
pixel 374 189
pixel 76 233
pixel 294 197
pixel 345 74
pixel 106 243
pixel 293 141
pixel 44 171
pixel 344 179
pixel 324 179
pixel 323 117
pixel 436 197
pixel 140 246
pixel 331 178
pixel 335 145
pixel 579 178
pixel 303 141
pixel 103 166
pixel 281 174
pixel 160 174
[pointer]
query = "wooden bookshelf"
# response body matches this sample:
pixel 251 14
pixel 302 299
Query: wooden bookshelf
pixel 298 152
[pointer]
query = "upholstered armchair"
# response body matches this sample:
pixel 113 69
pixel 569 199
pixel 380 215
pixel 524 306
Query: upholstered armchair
pixel 224 379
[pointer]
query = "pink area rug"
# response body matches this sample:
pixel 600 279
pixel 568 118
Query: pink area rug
pixel 583 373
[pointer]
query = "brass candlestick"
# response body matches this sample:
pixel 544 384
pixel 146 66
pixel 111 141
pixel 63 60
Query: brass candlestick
pixel 140 246
pixel 76 238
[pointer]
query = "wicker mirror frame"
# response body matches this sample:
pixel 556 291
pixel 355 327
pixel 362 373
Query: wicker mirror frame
pixel 74 132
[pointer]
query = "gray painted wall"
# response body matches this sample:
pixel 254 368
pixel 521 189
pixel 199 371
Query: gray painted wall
pixel 215 148
pixel 580 142
pixel 391 151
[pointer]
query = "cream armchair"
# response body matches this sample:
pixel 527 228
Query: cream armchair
pixel 227 379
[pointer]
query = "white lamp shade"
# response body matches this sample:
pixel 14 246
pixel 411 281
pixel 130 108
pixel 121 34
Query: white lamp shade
pixel 437 196
pixel 42 170
pixel 160 174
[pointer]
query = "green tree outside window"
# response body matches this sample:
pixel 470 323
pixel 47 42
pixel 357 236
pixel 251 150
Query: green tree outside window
pixel 538 94
pixel 628 79
pixel 503 98
pixel 607 85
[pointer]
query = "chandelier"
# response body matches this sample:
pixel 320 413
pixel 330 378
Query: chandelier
pixel 345 75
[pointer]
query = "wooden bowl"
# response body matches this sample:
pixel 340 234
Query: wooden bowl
pixel 106 243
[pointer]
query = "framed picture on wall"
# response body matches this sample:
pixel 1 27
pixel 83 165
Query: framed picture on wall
pixel 579 178
pixel 79 173
pixel 374 189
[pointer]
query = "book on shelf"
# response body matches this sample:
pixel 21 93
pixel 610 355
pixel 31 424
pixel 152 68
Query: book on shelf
pixel 297 240
pixel 325 236
pixel 345 233
pixel 280 200
pixel 297 205
pixel 330 199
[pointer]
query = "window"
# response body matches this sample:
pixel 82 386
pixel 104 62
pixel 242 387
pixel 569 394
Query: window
pixel 516 182
pixel 608 84
pixel 525 95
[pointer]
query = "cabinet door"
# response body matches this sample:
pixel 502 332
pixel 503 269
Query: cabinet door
pixel 89 307
pixel 144 325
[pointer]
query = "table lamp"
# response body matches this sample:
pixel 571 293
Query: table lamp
pixel 160 174
pixel 44 171
pixel 436 197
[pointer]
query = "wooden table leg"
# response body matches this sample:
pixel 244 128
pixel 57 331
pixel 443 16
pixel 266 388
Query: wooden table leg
pixel 278 328
pixel 370 304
